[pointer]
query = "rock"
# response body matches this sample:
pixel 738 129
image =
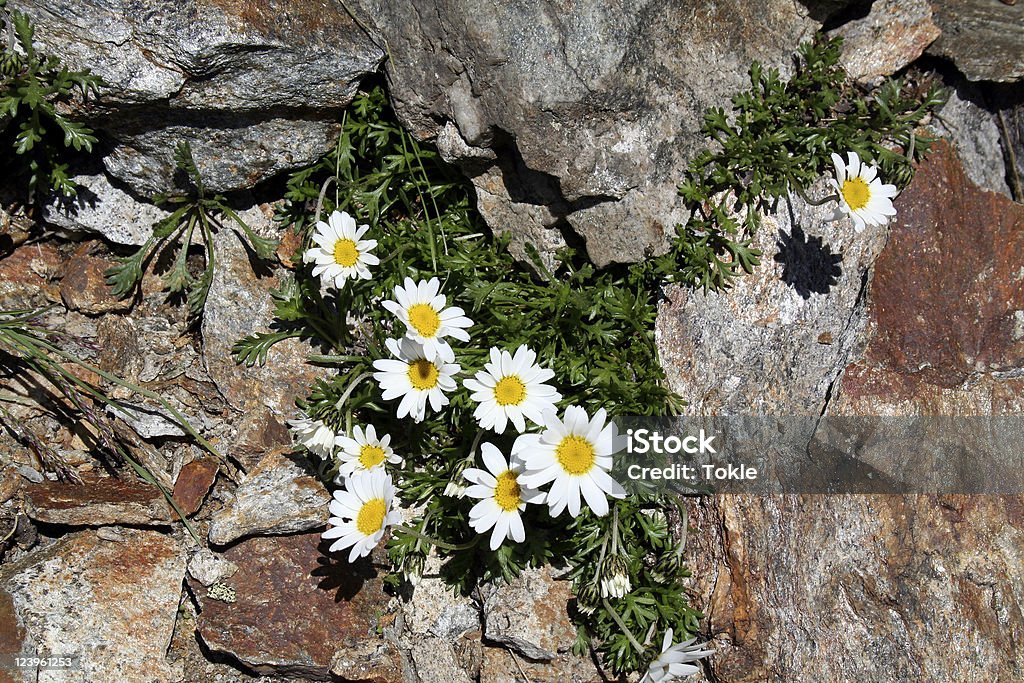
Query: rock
pixel 193 483
pixel 891 36
pixel 276 497
pixel 239 304
pixel 298 610
pixel 433 610
pixel 589 134
pixel 112 605
pixel 974 132
pixel 259 83
pixel 984 39
pixel 105 210
pixel 531 615
pixel 148 421
pixel 860 587
pixel 368 660
pixel 436 661
pixel 754 349
pixel 84 287
pixel 503 666
pixel 10 483
pixel 26 276
pixel 99 500
pixel 208 568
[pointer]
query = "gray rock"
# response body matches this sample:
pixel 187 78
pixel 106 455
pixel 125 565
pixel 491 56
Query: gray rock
pixel 436 661
pixel 276 497
pixel 148 421
pixel 780 337
pixel 984 38
pixel 530 615
pixel 106 210
pixel 592 134
pixel 208 568
pixel 974 132
pixel 260 81
pixel 891 36
pixel 113 605
pixel 434 611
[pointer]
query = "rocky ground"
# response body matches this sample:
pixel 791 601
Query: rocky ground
pixel 563 137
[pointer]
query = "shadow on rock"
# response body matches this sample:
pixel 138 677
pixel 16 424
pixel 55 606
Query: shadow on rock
pixel 336 573
pixel 810 267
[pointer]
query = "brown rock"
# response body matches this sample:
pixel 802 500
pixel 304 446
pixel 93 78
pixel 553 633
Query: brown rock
pixel 298 611
pixel 948 291
pixel 26 276
pixel 99 500
pixel 193 483
pixel 891 36
pixel 531 615
pixel 84 287
pixel 503 666
pixel 112 604
pixel 259 431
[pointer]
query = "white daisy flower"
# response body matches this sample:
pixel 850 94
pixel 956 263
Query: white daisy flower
pixel 502 497
pixel 862 196
pixel 415 378
pixel 341 253
pixel 428 322
pixel 576 455
pixel 361 513
pixel 511 388
pixel 314 435
pixel 363 451
pixel 615 579
pixel 674 662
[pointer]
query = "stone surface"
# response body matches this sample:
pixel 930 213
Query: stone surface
pixel 973 131
pixel 106 210
pixel 97 501
pixel 263 81
pixel 193 483
pixel 84 287
pixel 112 603
pixel 239 304
pixel 531 615
pixel 875 587
pixel 589 134
pixel 503 666
pixel 436 660
pixel 27 274
pixel 891 36
pixel 208 567
pixel 435 611
pixel 779 339
pixel 277 497
pixel 295 608
pixel 984 39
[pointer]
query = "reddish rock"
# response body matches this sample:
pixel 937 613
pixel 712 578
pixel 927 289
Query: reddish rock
pixel 98 500
pixel 113 604
pixel 26 276
pixel 193 483
pixel 298 611
pixel 84 287
pixel 947 302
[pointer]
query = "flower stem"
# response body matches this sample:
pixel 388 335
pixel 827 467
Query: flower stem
pixel 350 388
pixel 811 202
pixel 434 541
pixel 622 625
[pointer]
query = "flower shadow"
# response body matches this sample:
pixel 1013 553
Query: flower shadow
pixel 337 574
pixel 809 265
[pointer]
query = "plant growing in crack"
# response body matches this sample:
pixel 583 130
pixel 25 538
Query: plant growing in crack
pixel 194 214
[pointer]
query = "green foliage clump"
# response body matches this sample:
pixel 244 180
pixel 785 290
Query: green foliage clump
pixel 190 211
pixel 34 88
pixel 593 328
pixel 778 139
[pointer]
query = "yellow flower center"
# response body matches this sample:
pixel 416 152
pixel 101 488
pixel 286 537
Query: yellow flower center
pixel 345 253
pixel 371 456
pixel 856 193
pixel 371 516
pixel 510 391
pixel 507 491
pixel 424 319
pixel 575 454
pixel 423 374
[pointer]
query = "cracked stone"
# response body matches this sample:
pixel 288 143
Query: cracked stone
pixel 98 500
pixel 278 496
pixel 531 615
pixel 298 611
pixel 193 483
pixel 113 604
